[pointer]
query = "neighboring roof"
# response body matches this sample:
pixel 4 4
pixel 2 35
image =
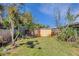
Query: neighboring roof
pixel 75 25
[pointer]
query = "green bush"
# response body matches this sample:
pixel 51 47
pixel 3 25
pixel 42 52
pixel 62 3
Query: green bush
pixel 66 34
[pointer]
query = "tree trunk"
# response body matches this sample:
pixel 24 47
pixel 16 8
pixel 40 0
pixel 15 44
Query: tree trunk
pixel 12 32
pixel 17 35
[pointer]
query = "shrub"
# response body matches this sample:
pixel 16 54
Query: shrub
pixel 66 34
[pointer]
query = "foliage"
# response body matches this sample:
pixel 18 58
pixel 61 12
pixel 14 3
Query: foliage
pixel 6 23
pixel 1 7
pixel 12 14
pixel 33 26
pixel 66 34
pixel 70 17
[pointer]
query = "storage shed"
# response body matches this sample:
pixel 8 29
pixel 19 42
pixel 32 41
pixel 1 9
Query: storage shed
pixel 43 32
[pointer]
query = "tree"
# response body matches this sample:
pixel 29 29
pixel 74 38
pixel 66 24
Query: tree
pixel 69 33
pixel 71 18
pixel 57 17
pixel 6 23
pixel 11 13
pixel 36 26
pixel 26 18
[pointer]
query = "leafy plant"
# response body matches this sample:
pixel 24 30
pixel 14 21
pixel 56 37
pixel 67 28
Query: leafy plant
pixel 66 34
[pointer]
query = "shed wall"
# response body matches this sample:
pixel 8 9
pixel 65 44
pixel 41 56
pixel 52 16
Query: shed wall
pixel 45 32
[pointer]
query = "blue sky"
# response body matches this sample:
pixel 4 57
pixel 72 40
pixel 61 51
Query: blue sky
pixel 43 13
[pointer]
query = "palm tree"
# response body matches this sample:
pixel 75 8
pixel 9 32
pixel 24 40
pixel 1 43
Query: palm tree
pixel 71 18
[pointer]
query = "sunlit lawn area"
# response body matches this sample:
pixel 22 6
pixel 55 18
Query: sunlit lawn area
pixel 44 46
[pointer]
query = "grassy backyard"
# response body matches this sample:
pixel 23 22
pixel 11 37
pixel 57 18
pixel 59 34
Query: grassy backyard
pixel 44 46
pixel 20 30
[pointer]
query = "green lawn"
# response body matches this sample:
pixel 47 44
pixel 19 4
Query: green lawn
pixel 46 46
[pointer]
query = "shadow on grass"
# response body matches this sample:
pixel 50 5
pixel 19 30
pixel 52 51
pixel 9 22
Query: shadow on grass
pixel 32 44
pixel 29 44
